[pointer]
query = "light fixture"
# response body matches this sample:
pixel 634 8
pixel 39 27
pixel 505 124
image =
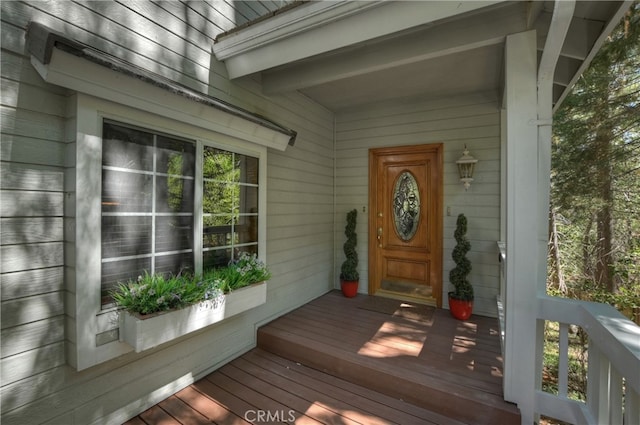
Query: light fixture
pixel 465 167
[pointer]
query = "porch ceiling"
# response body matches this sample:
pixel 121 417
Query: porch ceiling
pixel 400 50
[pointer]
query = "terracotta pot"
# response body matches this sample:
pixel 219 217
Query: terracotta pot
pixel 349 288
pixel 460 309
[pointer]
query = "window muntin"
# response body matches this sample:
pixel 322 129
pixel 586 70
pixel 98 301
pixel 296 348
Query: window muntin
pixel 148 184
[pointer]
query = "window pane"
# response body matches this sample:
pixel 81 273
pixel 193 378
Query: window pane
pixel 121 271
pixel 219 165
pixel 124 236
pixel 127 148
pixel 175 157
pixel 249 196
pixel 247 229
pixel 249 169
pixel 174 264
pixel 220 198
pixel 174 233
pixel 126 192
pixel 174 194
pixel 216 258
pixel 217 231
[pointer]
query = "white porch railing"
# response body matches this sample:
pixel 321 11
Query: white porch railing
pixel 613 374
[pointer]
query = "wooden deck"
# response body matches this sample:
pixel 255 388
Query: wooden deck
pixel 365 360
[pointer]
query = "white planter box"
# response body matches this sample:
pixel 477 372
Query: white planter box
pixel 148 332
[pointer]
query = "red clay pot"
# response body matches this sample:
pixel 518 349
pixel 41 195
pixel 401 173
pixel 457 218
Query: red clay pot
pixel 349 288
pixel 461 310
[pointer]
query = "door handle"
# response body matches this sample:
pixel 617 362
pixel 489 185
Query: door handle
pixel 380 237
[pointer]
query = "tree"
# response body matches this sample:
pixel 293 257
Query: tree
pixel 596 166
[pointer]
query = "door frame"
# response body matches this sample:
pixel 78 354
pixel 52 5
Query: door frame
pixel 437 197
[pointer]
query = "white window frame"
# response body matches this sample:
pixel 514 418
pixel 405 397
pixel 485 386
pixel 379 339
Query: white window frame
pixel 92 331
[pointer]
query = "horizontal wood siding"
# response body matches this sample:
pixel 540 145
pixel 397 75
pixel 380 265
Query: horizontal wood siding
pixel 472 120
pixel 172 39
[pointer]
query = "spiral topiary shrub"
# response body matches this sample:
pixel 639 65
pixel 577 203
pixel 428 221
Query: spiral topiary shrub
pixel 349 269
pixel 458 275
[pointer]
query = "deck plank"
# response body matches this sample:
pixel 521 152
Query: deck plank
pixel 182 412
pixel 157 416
pixel 322 408
pixel 209 407
pixel 263 395
pixel 235 405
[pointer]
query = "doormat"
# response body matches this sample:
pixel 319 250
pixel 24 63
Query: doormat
pixel 404 309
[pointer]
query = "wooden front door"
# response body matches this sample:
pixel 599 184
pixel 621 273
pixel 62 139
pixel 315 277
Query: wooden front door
pixel 405 223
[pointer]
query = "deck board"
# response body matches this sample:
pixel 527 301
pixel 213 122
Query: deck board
pixel 354 353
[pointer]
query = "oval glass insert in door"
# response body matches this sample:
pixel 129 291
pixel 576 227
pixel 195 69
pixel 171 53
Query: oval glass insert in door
pixel 406 206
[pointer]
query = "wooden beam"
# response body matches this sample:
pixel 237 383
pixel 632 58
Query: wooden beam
pixel 580 39
pixel 322 27
pixel 414 46
pixel 521 235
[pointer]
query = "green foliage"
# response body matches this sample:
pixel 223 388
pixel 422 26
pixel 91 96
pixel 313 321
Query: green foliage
pixel 155 293
pixel 458 275
pixel 246 270
pixel 596 176
pixel 349 269
pixel 595 196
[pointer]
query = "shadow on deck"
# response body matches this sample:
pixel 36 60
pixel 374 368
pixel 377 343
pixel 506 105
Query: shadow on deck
pixel 366 360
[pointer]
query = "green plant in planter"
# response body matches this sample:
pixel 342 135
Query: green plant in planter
pixel 242 272
pixel 152 293
pixel 458 275
pixel 349 269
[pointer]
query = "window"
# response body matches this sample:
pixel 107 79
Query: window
pixel 147 204
pixel 148 200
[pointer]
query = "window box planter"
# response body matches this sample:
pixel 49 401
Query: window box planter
pixel 144 332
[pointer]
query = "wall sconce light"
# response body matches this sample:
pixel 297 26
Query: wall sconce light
pixel 465 167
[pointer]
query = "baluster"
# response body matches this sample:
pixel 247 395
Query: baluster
pixel 615 396
pixel 598 384
pixel 563 359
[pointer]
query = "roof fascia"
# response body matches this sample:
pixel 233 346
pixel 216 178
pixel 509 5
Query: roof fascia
pixel 319 27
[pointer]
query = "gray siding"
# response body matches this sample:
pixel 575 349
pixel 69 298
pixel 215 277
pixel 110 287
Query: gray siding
pixel 172 39
pixel 473 120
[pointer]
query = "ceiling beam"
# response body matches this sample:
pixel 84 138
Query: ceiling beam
pixel 411 47
pixel 582 35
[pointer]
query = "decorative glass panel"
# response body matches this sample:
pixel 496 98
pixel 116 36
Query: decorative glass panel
pixel 406 206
